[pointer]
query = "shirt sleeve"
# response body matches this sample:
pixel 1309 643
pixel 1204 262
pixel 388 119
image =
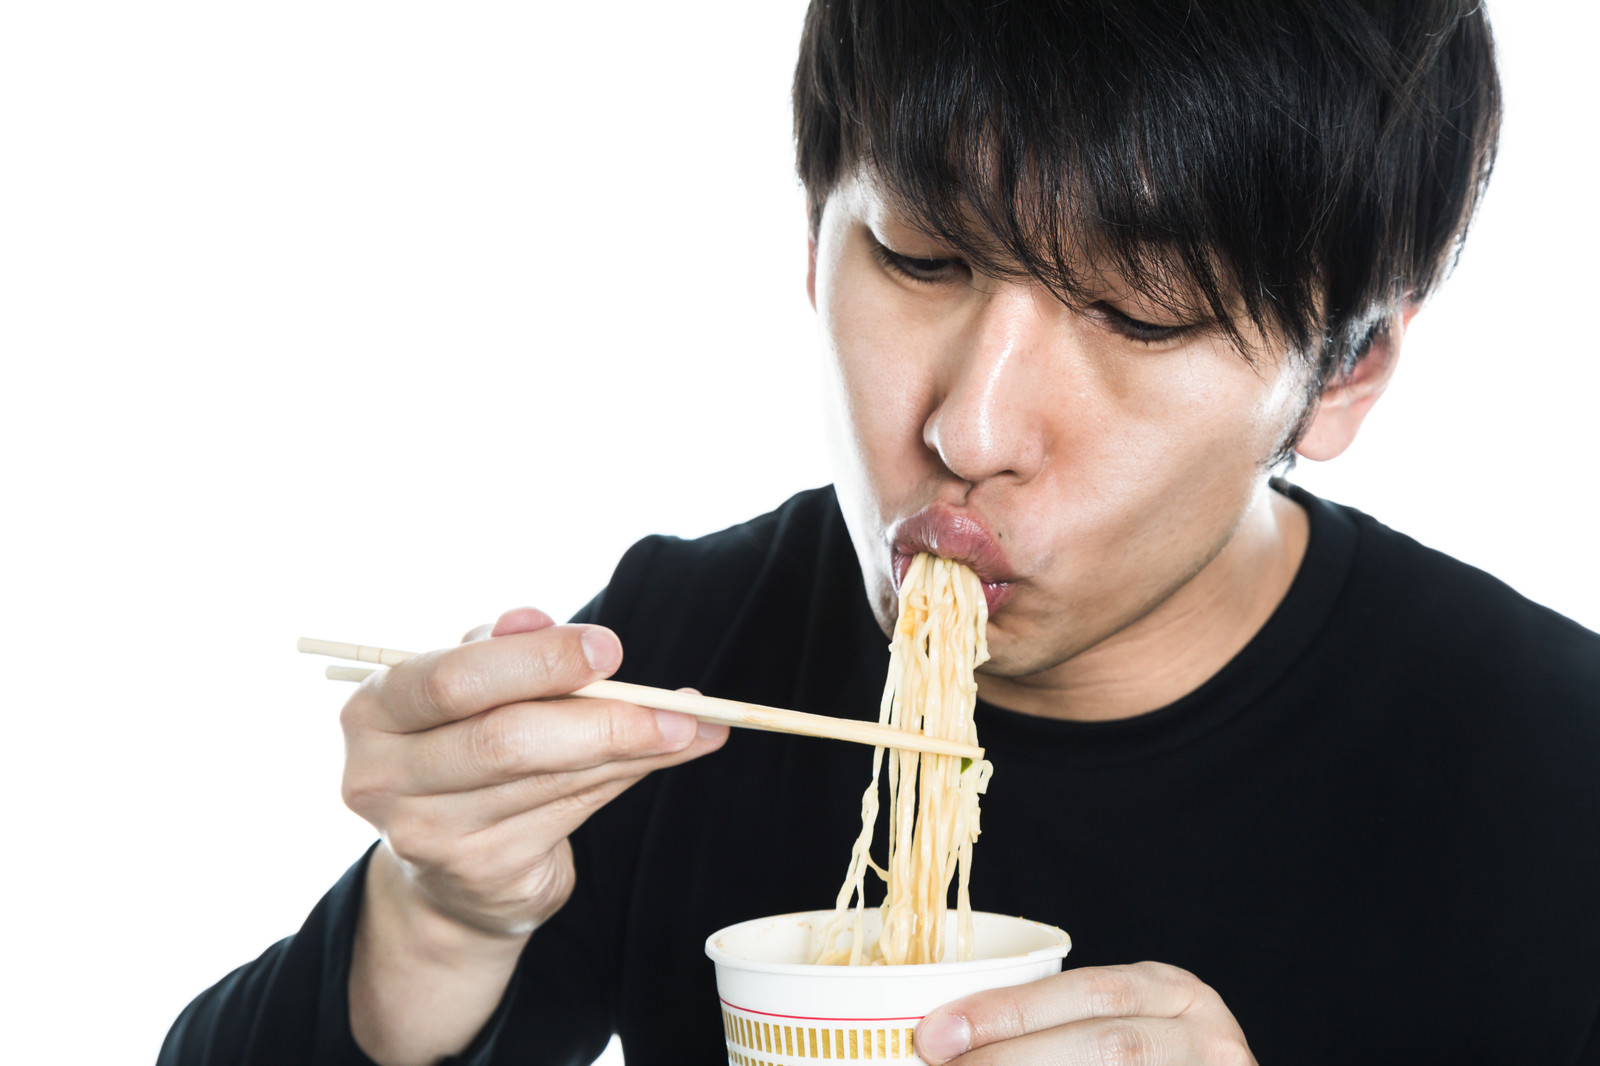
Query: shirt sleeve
pixel 289 1005
pixel 293 1005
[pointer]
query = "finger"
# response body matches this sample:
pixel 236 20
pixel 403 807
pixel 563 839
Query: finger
pixel 540 829
pixel 1146 989
pixel 426 829
pixel 562 800
pixel 517 620
pixel 521 620
pixel 716 732
pixel 438 687
pixel 444 833
pixel 1108 1042
pixel 523 740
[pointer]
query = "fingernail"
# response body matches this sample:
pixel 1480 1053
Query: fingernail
pixel 601 648
pixel 943 1037
pixel 676 729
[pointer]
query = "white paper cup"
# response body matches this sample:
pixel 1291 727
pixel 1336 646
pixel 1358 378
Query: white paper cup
pixel 779 1009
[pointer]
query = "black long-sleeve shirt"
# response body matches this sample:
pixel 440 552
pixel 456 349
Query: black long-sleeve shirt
pixel 1375 832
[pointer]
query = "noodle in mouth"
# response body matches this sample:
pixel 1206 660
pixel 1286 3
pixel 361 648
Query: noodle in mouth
pixel 933 799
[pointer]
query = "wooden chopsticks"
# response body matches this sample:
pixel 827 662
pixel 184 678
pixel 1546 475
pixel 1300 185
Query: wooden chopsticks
pixel 705 708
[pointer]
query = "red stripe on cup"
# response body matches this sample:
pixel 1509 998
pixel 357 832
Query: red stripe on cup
pixel 815 1018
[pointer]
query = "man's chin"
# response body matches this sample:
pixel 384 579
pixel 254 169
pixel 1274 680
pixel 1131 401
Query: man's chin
pixel 1005 662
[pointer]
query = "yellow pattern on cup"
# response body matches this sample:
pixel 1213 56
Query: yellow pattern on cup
pixel 749 1035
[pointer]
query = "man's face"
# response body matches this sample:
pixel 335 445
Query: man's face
pixel 1103 469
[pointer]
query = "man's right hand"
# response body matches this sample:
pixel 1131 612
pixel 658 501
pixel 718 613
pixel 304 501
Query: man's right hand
pixel 475 772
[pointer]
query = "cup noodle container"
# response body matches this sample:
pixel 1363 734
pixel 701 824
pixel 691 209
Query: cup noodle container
pixel 780 1010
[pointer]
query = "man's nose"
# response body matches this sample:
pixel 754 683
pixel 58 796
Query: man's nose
pixel 994 390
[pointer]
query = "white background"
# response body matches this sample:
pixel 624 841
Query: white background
pixel 369 320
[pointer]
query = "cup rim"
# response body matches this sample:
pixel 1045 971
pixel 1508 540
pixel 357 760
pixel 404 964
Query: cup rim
pixel 1057 950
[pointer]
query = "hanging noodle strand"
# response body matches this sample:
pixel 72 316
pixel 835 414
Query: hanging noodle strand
pixel 933 799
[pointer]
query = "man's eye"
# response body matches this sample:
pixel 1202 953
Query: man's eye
pixel 916 268
pixel 1135 329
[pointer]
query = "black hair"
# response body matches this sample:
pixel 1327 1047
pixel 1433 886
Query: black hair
pixel 1304 166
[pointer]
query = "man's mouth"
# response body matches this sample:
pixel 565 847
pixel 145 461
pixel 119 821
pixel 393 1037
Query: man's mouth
pixel 959 536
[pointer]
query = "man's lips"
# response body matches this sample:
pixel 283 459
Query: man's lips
pixel 959 536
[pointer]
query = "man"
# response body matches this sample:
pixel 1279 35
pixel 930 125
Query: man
pixel 1302 790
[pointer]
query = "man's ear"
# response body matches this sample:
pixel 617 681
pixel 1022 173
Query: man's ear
pixel 811 266
pixel 810 255
pixel 1345 403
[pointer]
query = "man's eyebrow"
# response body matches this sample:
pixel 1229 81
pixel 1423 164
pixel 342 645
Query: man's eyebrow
pixel 912 234
pixel 888 215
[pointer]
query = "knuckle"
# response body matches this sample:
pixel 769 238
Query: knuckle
pixel 366 787
pixel 359 792
pixel 350 716
pixel 1112 993
pixel 1230 1052
pixel 1012 1018
pixel 496 745
pixel 1174 974
pixel 359 711
pixel 1124 1045
pixel 1200 995
pixel 621 731
pixel 448 686
pixel 558 663
pixel 998 1014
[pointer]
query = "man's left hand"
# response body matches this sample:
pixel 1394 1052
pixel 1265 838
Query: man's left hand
pixel 1148 1013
